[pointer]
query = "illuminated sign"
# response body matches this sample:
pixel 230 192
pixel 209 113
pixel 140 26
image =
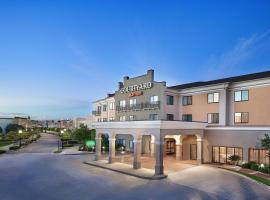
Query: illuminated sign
pixel 139 87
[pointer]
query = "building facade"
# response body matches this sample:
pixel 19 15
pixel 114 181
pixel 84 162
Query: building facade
pixel 204 121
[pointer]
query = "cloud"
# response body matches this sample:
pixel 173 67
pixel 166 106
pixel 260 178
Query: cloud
pixel 239 56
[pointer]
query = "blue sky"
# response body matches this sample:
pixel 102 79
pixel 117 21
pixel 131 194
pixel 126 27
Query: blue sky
pixel 56 57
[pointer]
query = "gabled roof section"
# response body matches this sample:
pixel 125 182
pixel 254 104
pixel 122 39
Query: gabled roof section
pixel 234 79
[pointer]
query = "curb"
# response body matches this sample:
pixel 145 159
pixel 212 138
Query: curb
pixel 154 177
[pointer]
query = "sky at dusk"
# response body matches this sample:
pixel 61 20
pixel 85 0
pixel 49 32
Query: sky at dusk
pixel 56 57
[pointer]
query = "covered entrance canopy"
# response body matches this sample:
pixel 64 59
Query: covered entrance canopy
pixel 158 132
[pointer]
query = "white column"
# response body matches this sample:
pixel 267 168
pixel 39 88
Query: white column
pixel 159 169
pixel 98 148
pixel 199 150
pixel 179 147
pixel 111 157
pixel 137 153
pixel 152 145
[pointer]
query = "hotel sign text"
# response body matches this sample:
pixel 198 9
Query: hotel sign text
pixel 139 87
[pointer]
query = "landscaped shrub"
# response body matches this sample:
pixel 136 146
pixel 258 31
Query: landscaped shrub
pixel 246 165
pixel 2 151
pixel 14 147
pixel 254 166
pixel 234 159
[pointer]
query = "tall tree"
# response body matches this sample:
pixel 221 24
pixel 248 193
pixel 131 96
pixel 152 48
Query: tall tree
pixel 266 144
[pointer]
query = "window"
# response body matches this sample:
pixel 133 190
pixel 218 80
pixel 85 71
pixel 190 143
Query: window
pixel 132 102
pixel 213 97
pixel 258 155
pixel 131 117
pixel 170 117
pixel 186 100
pixel 221 154
pixel 111 119
pixel 213 118
pixel 99 119
pixel 187 117
pixel 99 108
pixel 122 118
pixel 169 100
pixel 104 108
pixel 154 99
pixel 104 119
pixel 241 117
pixel 153 117
pixel 241 95
pixel 122 103
pixel 111 106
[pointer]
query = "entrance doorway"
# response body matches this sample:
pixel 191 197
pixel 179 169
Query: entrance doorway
pixel 193 151
pixel 170 147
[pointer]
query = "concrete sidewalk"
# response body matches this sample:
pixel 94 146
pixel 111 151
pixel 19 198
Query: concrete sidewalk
pixel 74 151
pixel 126 169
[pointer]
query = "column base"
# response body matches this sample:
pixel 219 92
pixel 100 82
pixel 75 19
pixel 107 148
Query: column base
pixel 159 170
pixel 136 165
pixel 111 160
pixel 97 157
pixel 199 162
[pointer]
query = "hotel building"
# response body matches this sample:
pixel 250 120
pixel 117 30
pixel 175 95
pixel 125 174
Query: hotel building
pixel 203 121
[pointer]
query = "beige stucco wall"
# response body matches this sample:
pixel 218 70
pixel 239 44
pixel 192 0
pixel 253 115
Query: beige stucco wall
pixel 258 106
pixel 104 114
pixel 200 108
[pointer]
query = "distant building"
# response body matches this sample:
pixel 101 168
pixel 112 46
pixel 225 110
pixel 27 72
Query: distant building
pixel 88 120
pixel 23 121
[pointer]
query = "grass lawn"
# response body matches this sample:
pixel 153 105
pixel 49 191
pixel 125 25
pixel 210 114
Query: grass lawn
pixel 57 151
pixel 257 178
pixel 5 143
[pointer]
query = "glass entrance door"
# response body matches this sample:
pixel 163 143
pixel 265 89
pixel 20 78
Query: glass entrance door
pixel 170 147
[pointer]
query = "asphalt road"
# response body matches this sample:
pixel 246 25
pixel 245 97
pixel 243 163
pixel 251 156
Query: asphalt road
pixel 36 173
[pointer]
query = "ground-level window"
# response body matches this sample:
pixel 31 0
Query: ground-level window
pixel 221 154
pixel 111 119
pixel 170 117
pixel 122 118
pixel 153 117
pixel 132 117
pixel 213 118
pixel 187 117
pixel 258 155
pixel 241 117
pixel 104 119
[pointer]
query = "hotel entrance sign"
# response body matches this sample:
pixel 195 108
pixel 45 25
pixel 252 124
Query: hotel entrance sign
pixel 139 87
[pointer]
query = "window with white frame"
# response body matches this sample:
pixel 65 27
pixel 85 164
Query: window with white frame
pixel 213 97
pixel 241 117
pixel 111 119
pixel 153 99
pixel 122 103
pixel 122 118
pixel 186 100
pixel 132 102
pixel 111 106
pixel 241 95
pixel 213 118
pixel 104 108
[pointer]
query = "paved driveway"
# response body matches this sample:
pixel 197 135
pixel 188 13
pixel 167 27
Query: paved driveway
pixel 36 173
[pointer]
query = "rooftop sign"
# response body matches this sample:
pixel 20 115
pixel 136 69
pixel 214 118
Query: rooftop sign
pixel 139 87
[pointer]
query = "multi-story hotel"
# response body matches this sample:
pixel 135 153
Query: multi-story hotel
pixel 204 121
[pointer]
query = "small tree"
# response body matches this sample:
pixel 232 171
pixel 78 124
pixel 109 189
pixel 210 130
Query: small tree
pixel 266 144
pixel 82 134
pixel 12 135
pixel 234 159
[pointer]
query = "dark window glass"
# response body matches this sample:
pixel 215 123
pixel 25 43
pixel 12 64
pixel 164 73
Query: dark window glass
pixel 187 117
pixel 169 100
pixel 186 100
pixel 170 117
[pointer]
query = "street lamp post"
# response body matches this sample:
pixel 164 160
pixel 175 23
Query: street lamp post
pixel 20 132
